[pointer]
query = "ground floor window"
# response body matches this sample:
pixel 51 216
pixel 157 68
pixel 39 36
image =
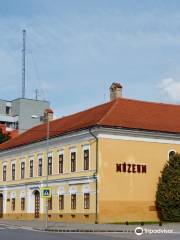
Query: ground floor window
pixel 22 204
pixel 73 201
pixel 86 200
pixel 13 205
pixel 50 203
pixel 61 202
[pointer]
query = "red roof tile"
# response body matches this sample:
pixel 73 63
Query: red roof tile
pixel 124 113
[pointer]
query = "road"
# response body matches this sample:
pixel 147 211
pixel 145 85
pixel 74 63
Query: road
pixel 19 233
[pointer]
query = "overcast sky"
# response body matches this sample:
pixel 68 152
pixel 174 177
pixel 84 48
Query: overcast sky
pixel 77 48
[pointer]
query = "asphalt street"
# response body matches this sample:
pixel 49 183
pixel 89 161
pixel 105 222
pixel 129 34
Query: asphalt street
pixel 21 233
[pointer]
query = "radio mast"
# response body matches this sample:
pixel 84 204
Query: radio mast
pixel 24 63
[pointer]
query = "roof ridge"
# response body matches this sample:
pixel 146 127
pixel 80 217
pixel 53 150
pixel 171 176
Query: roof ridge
pixel 150 102
pixel 114 103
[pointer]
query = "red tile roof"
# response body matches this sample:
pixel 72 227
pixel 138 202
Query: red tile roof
pixel 123 113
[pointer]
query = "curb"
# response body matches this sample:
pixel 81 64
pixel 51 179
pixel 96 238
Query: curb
pixel 87 230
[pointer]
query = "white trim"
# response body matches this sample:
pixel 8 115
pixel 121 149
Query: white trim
pixel 73 190
pixel 171 150
pixel 86 147
pixel 50 154
pixel 40 155
pixel 138 139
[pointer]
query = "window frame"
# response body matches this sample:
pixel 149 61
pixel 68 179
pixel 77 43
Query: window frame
pixel 61 163
pixel 31 168
pixel 40 167
pixel 61 202
pixel 13 171
pixel 23 201
pixel 50 203
pixel 73 161
pixel 50 165
pixel 4 173
pixel 73 201
pixel 86 200
pixel 13 204
pixel 22 172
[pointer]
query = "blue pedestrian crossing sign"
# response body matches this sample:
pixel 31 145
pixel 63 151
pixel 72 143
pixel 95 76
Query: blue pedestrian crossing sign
pixel 46 192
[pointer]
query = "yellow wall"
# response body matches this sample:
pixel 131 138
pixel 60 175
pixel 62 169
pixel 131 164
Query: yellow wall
pixel 129 196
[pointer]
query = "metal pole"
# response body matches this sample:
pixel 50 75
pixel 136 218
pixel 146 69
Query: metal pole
pixel 24 63
pixel 47 150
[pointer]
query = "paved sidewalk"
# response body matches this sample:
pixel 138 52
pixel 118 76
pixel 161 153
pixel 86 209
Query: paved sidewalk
pixel 78 227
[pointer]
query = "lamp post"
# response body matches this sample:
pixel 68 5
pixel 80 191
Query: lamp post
pixel 47 151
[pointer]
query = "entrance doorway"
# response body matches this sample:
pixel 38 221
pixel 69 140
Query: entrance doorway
pixel 37 204
pixel 1 205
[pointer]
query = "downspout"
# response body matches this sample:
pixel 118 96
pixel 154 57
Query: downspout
pixel 96 173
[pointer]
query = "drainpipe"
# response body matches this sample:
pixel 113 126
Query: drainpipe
pixel 96 173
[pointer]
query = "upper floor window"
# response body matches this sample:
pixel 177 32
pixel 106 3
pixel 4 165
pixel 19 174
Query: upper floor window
pixel 13 171
pixel 22 169
pixel 86 159
pixel 61 159
pixel 73 201
pixel 49 165
pixel 31 168
pixel 61 202
pixel 86 200
pixel 8 110
pixel 4 172
pixel 73 161
pixel 40 167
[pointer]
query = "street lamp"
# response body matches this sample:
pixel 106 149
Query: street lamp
pixel 45 117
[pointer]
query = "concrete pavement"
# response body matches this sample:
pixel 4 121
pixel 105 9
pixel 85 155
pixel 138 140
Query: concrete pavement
pixel 77 227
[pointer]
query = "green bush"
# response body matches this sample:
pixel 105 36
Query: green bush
pixel 168 191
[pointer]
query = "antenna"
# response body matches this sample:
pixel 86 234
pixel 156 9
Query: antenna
pixel 23 63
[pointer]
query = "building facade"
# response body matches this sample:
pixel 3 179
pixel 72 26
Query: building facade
pixel 103 164
pixel 17 114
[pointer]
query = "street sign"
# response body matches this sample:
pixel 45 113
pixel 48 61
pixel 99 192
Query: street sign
pixel 46 192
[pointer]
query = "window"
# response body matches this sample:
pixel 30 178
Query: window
pixel 8 110
pixel 61 163
pixel 171 153
pixel 61 202
pixel 86 200
pixel 40 167
pixel 22 204
pixel 4 173
pixel 73 161
pixel 73 201
pixel 13 206
pixel 22 169
pixel 13 171
pixel 49 165
pixel 31 168
pixel 50 203
pixel 86 159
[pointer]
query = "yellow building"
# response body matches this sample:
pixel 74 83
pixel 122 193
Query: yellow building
pixel 103 163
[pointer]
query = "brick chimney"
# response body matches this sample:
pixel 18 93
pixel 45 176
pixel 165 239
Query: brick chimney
pixel 115 91
pixel 48 114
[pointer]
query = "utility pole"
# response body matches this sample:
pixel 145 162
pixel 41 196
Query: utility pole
pixel 23 63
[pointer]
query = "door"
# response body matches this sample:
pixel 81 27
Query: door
pixel 1 205
pixel 37 204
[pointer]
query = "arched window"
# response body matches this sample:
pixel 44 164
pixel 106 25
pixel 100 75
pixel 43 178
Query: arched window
pixel 171 153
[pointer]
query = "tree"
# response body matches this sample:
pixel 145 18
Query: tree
pixel 4 136
pixel 168 191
